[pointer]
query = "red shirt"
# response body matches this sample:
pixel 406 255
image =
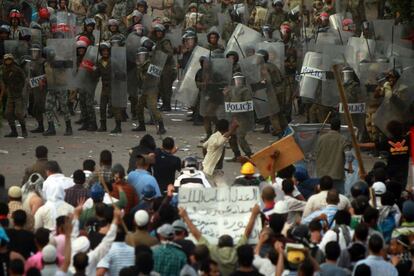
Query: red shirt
pixel 131 194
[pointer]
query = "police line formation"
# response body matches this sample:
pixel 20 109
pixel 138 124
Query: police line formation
pixel 255 61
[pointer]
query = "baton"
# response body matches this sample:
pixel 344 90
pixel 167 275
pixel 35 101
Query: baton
pixel 238 45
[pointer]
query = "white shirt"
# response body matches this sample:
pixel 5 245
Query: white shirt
pixel 56 179
pixel 106 200
pixel 187 174
pixel 331 235
pixel 318 201
pixel 214 146
pixel 47 214
pixel 264 265
pixel 280 195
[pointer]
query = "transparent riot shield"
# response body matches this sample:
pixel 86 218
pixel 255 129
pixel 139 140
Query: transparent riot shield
pixel 61 55
pixel 64 23
pixel 119 90
pixel 326 37
pixel 187 91
pixel 147 21
pixel 132 43
pixel 36 35
pixel 175 36
pixel 251 68
pixel 312 73
pixel 84 78
pixel 261 103
pixel 238 105
pixel 216 75
pixel 335 21
pixel 223 19
pixel 157 63
pixel 384 29
pixel 18 48
pixel 276 52
pixel 243 40
pixel 364 49
pixel 332 55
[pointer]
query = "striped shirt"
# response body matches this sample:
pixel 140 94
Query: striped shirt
pixel 119 256
pixel 75 193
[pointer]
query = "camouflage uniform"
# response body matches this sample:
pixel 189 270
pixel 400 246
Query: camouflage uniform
pixel 86 105
pixel 210 17
pixel 119 11
pixel 14 80
pixel 276 18
pixel 228 30
pixel 258 18
pixel 148 96
pixel 374 101
pixel 168 74
pixel 36 68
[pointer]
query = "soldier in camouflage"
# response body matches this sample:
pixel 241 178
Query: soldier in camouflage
pixel 277 16
pixel 38 91
pixel 149 93
pixel 169 72
pixel 231 25
pixel 88 27
pixel 44 23
pixel 13 80
pixel 194 18
pixel 112 30
pixel 357 10
pixel 213 41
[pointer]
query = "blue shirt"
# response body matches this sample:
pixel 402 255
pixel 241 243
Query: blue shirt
pixel 141 178
pixel 378 266
pixel 329 211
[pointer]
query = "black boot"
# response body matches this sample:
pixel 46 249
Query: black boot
pixel 92 126
pixel 102 127
pixel 80 121
pixel 71 108
pixel 140 127
pixel 117 128
pixel 84 125
pixel 266 128
pixel 161 128
pixel 50 130
pixel 40 128
pixel 13 132
pixel 24 130
pixel 68 131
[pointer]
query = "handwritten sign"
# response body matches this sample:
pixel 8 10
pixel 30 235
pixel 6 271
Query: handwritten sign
pixel 35 82
pixel 313 73
pixel 236 107
pixel 354 108
pixel 154 70
pixel 221 211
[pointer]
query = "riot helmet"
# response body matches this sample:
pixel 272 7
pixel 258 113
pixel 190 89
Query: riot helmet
pixel 142 6
pixel 118 40
pixel 264 54
pixel 140 29
pixel 105 49
pixel 190 162
pixel 147 43
pixel 89 22
pixel 261 3
pixel 239 79
pixel 233 55
pixel 213 33
pixel 159 28
pixel 35 51
pixel 348 25
pixel 43 13
pixel 142 55
pixel 113 25
pixel 347 74
pixel 25 34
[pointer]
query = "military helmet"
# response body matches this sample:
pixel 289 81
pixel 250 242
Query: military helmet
pixel 213 32
pixel 81 44
pixel 113 22
pixel 278 3
pixel 104 45
pixel 159 28
pixel 142 50
pixel 43 13
pixel 239 80
pixel 8 56
pixel 140 29
pixel 137 13
pixel 264 54
pixel 89 21
pixel 147 43
pixel 261 3
pixel 118 39
pixel 347 74
pixel 101 7
pixel 14 13
pixel 35 46
pixel 189 35
pixel 5 28
pixel 234 54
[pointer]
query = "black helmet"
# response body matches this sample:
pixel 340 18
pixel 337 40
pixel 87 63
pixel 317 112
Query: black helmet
pixel 101 7
pixel 190 162
pixel 159 28
pixel 264 54
pixel 118 39
pixel 359 188
pixel 234 54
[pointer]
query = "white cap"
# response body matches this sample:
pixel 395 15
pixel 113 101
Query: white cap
pixel 49 253
pixel 379 188
pixel 141 218
pixel 281 207
pixel 81 244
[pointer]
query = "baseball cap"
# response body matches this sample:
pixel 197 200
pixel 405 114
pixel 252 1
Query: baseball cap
pixel 379 188
pixel 166 231
pixel 15 192
pixel 148 192
pixel 49 254
pixel 179 225
pixel 141 218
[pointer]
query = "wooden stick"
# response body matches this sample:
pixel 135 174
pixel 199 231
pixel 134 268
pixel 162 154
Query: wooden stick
pixel 349 120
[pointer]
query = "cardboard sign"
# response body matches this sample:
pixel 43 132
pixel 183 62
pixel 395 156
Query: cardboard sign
pixel 289 153
pixel 35 82
pixel 236 107
pixel 354 108
pixel 154 70
pixel 219 211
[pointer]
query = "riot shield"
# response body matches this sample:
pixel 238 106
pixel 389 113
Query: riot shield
pixel 326 37
pixel 146 21
pixel 133 42
pixel 84 78
pixel 276 52
pixel 18 48
pixel 332 54
pixel 251 68
pixel 312 73
pixel 157 63
pixel 61 55
pixel 216 74
pixel 364 49
pixel 223 19
pixel 385 29
pixel 243 40
pixel 335 21
pixel 119 90
pixel 175 36
pixel 239 105
pixel 187 91
pixel 36 35
pixel 65 23
pixel 261 103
